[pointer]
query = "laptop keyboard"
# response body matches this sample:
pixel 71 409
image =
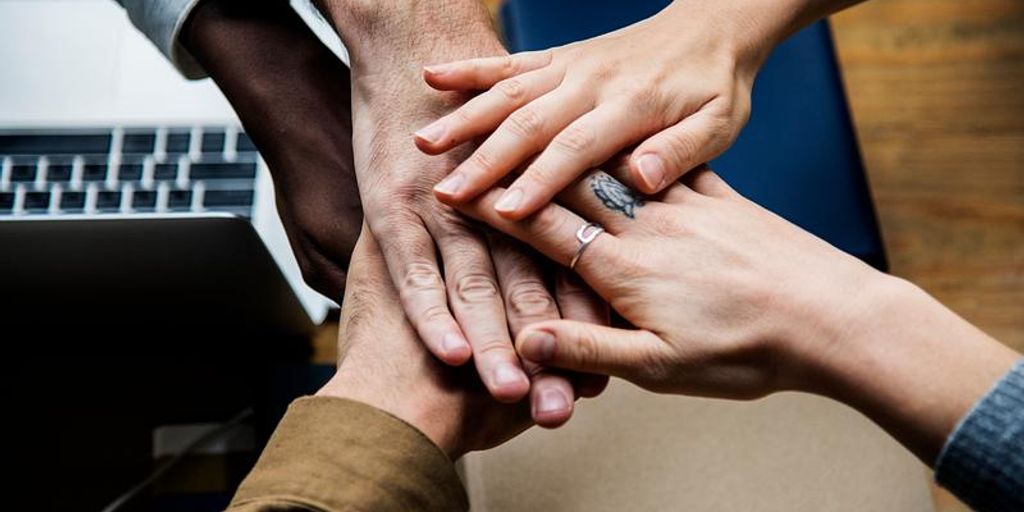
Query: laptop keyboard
pixel 127 170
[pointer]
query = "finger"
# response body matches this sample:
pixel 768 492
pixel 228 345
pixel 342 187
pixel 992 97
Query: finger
pixel 705 181
pixel 589 385
pixel 551 231
pixel 409 253
pixel 526 295
pixel 482 73
pixel 527 300
pixel 663 158
pixel 585 143
pixel 482 114
pixel 524 133
pixel 577 301
pixel 477 303
pixel 632 355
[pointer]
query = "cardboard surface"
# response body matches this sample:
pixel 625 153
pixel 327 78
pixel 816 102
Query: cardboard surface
pixel 633 450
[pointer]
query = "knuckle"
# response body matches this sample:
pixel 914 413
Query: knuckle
pixel 575 139
pixel 512 90
pixel 646 101
pixel 476 288
pixel 509 65
pixel 494 345
pixel 525 123
pixel 482 161
pixel 531 300
pixel 420 276
pixel 433 313
pixel 587 350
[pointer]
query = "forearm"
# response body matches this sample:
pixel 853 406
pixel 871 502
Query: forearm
pixel 411 33
pixel 910 364
pixel 282 81
pixel 756 26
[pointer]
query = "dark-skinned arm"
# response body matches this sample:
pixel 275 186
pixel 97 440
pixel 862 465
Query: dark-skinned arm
pixel 292 95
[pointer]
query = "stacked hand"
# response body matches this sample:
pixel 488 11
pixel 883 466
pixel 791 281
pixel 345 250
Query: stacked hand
pixel 677 84
pixel 466 290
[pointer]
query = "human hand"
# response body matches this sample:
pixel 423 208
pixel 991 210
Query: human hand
pixel 382 363
pixel 732 301
pixel 491 286
pixel 292 95
pixel 678 84
pixel 729 299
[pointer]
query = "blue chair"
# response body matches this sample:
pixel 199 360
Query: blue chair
pixel 798 154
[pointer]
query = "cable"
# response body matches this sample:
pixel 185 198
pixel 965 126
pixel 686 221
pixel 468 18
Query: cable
pixel 159 472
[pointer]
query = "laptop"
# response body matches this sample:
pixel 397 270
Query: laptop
pixel 116 173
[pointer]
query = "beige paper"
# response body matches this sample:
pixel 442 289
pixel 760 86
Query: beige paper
pixel 630 450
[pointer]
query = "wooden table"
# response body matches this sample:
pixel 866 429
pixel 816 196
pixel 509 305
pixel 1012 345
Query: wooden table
pixel 937 92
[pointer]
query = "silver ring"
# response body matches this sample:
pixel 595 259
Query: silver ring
pixel 586 234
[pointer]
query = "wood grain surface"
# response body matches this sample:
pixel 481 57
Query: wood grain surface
pixel 937 92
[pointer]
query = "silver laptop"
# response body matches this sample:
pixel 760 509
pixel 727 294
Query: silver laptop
pixel 98 129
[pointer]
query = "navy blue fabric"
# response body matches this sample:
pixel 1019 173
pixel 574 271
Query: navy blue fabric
pixel 797 156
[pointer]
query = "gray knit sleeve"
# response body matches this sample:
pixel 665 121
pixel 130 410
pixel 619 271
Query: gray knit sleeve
pixel 982 462
pixel 161 21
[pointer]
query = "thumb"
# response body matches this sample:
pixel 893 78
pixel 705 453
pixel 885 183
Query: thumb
pixel 585 347
pixel 664 157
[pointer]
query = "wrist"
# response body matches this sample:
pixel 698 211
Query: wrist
pixel 907 362
pixel 750 29
pixel 420 412
pixel 411 33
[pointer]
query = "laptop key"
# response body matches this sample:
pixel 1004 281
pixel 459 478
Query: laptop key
pixel 58 173
pixel 213 141
pixel 245 144
pixel 165 171
pixel 144 200
pixel 178 142
pixel 22 173
pixel 72 201
pixel 36 202
pixel 54 144
pixel 138 143
pixel 94 172
pixel 220 198
pixel 129 172
pixel 6 202
pixel 179 200
pixel 223 171
pixel 108 201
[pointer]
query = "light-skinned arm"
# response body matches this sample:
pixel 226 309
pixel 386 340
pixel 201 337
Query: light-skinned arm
pixel 730 300
pixel 291 94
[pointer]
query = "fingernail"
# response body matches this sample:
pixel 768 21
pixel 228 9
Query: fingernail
pixel 451 184
pixel 506 375
pixel 509 201
pixel 552 400
pixel 652 170
pixel 436 69
pixel 432 133
pixel 453 343
pixel 539 346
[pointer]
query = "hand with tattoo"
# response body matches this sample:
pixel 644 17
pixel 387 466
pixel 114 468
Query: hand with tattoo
pixel 730 300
